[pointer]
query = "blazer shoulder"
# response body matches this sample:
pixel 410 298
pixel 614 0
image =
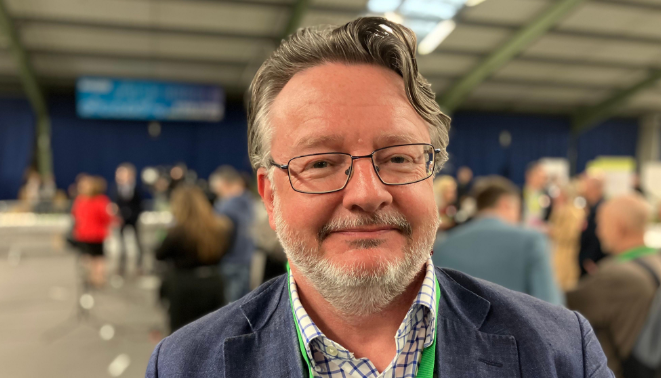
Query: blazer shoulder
pixel 519 314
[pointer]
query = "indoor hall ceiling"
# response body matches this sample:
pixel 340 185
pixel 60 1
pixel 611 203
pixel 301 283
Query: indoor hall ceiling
pixel 598 49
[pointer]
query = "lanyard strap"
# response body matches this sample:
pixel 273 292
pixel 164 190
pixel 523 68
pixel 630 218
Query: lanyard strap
pixel 427 361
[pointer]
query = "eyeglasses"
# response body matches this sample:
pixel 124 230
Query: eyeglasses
pixel 330 172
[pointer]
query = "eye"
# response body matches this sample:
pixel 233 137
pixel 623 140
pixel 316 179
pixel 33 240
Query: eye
pixel 320 164
pixel 399 159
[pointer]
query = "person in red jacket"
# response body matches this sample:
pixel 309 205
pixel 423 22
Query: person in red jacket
pixel 91 212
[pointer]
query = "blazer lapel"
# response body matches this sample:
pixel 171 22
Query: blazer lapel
pixel 271 350
pixel 462 350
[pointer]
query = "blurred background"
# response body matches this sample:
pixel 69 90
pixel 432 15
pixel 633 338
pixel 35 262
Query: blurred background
pixel 110 110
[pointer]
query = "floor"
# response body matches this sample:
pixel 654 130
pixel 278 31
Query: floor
pixel 42 334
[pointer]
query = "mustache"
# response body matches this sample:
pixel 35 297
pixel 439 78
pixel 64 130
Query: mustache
pixel 394 220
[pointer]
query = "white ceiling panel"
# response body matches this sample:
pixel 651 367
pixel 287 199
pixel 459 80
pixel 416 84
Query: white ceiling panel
pixel 648 2
pixel 475 38
pixel 498 91
pixel 207 16
pixel 446 64
pixel 510 92
pixel 614 19
pixel 597 50
pixel 253 20
pixel 650 99
pixel 71 67
pixel 564 95
pixel 505 12
pixel 79 39
pixel 314 17
pixel 7 64
pixel 569 74
pixel 358 5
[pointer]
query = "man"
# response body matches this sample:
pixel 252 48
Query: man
pixel 464 183
pixel 589 254
pixel 345 136
pixel 617 297
pixel 235 202
pixel 536 200
pixel 129 202
pixel 493 248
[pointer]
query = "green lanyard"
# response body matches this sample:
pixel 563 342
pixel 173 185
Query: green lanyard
pixel 426 368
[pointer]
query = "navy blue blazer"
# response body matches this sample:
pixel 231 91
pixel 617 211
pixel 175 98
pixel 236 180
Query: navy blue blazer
pixel 484 330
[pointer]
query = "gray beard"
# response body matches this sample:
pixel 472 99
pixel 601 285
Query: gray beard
pixel 354 291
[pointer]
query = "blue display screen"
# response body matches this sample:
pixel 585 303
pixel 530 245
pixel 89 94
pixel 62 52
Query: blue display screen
pixel 108 98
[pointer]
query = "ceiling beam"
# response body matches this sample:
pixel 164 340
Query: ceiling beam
pixel 587 118
pixel 33 92
pixel 296 17
pixel 502 55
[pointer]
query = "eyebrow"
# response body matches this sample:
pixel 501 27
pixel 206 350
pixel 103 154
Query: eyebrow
pixel 316 141
pixel 394 139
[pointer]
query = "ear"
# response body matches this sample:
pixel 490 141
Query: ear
pixel 266 192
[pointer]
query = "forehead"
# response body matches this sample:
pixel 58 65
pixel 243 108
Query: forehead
pixel 334 103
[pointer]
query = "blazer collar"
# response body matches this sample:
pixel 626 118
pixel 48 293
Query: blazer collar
pixel 271 348
pixel 458 302
pixel 463 349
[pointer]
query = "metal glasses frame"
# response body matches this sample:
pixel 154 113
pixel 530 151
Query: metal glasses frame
pixel 370 156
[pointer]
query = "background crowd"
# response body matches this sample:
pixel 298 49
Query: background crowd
pixel 563 242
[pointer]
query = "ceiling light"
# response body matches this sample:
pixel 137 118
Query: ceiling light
pixel 438 35
pixel 472 3
pixel 383 6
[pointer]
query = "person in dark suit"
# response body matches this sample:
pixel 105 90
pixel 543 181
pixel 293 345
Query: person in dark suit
pixel 536 201
pixel 128 199
pixel 345 136
pixel 590 252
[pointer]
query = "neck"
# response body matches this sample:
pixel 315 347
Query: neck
pixel 371 336
pixel 492 213
pixel 629 243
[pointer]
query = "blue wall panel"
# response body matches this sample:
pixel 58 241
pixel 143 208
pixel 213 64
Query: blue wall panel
pixel 98 146
pixel 615 137
pixel 474 142
pixel 17 129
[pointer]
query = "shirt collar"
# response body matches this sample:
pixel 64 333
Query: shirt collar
pixel 635 253
pixel 426 297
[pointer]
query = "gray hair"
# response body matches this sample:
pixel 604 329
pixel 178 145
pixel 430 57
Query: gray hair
pixel 367 40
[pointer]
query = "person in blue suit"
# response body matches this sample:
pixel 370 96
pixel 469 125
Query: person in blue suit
pixel 345 136
pixel 495 248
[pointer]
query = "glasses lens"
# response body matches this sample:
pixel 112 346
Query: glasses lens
pixel 319 173
pixel 404 164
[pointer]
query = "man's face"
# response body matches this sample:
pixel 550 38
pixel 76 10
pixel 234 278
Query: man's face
pixel 537 178
pixel 124 176
pixel 353 109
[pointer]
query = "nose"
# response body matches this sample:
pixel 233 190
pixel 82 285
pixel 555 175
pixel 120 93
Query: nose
pixel 365 191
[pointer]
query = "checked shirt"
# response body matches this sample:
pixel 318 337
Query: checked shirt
pixel 331 360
